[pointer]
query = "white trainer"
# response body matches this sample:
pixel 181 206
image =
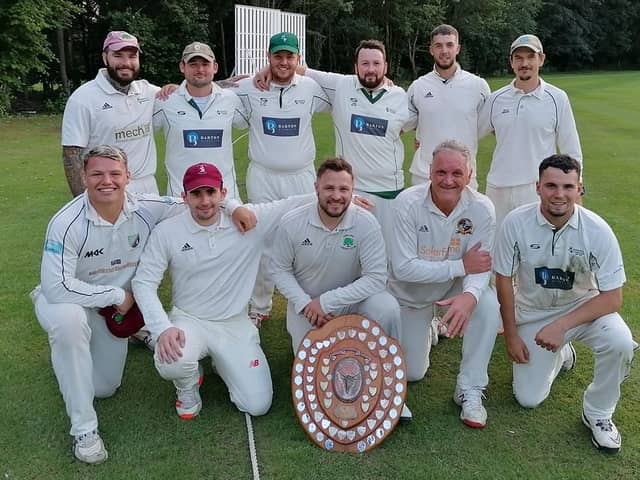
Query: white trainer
pixel 435 330
pixel 604 434
pixel 473 413
pixel 89 448
pixel 144 337
pixel 189 403
pixel 569 354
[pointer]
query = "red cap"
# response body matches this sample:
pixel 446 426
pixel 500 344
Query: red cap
pixel 201 175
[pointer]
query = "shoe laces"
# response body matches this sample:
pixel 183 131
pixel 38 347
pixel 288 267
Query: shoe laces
pixel 472 397
pixel 86 439
pixel 604 424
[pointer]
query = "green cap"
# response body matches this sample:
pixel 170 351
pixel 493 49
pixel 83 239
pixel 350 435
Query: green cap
pixel 284 41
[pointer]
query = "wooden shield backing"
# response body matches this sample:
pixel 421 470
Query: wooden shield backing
pixel 348 384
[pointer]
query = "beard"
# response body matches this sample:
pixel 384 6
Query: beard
pixel 324 206
pixel 116 77
pixel 373 82
pixel 442 65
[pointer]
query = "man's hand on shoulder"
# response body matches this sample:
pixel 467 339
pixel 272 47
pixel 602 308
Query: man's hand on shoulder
pixel 244 219
pixel 231 82
pixel 166 91
pixel 170 344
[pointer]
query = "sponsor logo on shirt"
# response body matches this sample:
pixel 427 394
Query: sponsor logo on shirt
pixel 535 246
pixel 186 247
pixel 181 112
pixel 52 246
pixel 423 228
pixel 576 251
pixel 143 99
pixel 429 95
pixel 440 253
pixel 254 363
pixel 306 242
pixel 134 240
pixel 263 102
pixel 505 110
pixel 133 133
pixel 117 261
pixel 281 127
pixel 94 253
pixel 465 226
pixel 554 278
pixel 369 125
pixel 354 101
pixel 206 138
pixel 222 112
pixel 299 101
pixel 348 242
pixel 106 106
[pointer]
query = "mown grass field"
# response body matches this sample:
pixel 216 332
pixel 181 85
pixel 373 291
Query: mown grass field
pixel 146 440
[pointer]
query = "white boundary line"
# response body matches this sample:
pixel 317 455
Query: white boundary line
pixel 252 448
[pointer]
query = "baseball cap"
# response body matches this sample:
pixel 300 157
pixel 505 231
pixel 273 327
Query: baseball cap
pixel 527 41
pixel 198 49
pixel 284 41
pixel 117 40
pixel 201 175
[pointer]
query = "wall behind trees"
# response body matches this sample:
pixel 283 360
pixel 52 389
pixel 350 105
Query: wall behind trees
pixel 57 43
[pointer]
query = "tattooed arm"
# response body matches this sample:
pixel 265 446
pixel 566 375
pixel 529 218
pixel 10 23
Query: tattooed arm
pixel 72 161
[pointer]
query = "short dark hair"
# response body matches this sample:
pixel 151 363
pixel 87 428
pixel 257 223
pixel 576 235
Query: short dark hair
pixel 444 29
pixel 564 162
pixel 335 164
pixel 373 45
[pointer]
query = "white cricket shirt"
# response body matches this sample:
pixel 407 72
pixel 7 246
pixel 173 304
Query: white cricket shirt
pixel 98 114
pixel 529 127
pixel 280 133
pixel 367 129
pixel 89 261
pixel 427 249
pixel 557 268
pixel 195 135
pixel 445 109
pixel 343 266
pixel 213 269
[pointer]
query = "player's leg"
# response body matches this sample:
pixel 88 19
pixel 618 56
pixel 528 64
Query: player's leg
pixel 384 309
pixel 109 354
pixel 532 381
pixel 185 372
pixel 242 365
pixel 415 339
pixel 477 347
pixel 297 326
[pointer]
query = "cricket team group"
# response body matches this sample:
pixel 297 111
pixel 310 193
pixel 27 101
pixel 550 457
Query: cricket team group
pixel 432 260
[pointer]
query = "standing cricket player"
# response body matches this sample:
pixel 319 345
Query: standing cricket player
pixel 569 274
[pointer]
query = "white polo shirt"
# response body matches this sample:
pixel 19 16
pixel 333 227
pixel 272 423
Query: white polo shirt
pixel 557 268
pixel 213 269
pixel 427 249
pixel 529 127
pixel 444 109
pixel 89 261
pixel 280 133
pixel 343 266
pixel 98 114
pixel 367 129
pixel 193 135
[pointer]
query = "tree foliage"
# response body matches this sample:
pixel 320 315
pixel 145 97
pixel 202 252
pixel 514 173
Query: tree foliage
pixel 49 40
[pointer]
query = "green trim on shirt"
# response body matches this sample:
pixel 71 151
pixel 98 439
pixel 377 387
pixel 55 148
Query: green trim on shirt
pixel 373 99
pixel 389 195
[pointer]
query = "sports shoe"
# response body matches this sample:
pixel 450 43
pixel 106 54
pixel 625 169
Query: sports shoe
pixel 604 434
pixel 473 413
pixel 89 448
pixel 189 403
pixel 435 328
pixel 569 354
pixel 144 337
pixel 405 416
pixel 257 318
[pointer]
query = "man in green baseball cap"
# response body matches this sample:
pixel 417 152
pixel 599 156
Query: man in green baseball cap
pixel 284 41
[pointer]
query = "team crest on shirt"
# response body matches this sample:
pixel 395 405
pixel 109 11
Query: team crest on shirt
pixel 354 101
pixel 348 242
pixel 134 240
pixel 465 226
pixel 263 102
pixel 53 246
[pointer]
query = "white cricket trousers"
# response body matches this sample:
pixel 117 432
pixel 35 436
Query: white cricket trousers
pixel 383 212
pixel 144 185
pixel 381 307
pixel 87 359
pixel 506 199
pixel 477 342
pixel 608 337
pixel 234 347
pixel 265 185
